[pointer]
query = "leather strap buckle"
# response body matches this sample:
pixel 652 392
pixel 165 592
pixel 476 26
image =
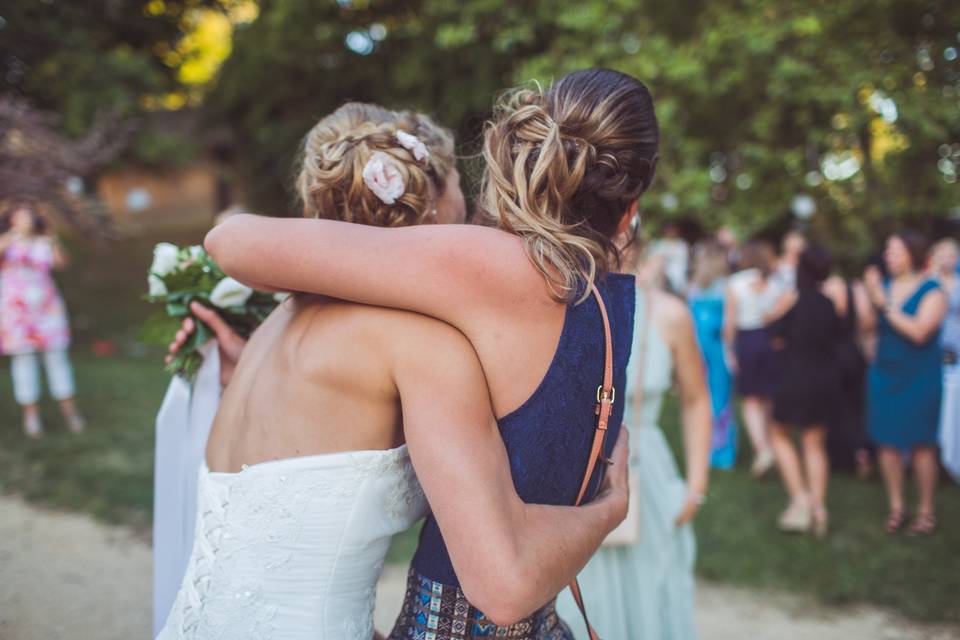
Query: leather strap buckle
pixel 606 396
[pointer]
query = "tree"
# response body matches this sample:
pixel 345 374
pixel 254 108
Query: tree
pixel 302 59
pixel 37 161
pixel 83 84
pixel 850 102
pixel 853 103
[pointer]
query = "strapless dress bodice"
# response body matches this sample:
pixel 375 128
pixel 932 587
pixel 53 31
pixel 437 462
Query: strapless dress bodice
pixel 293 549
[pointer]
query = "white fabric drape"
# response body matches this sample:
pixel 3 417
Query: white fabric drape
pixel 183 425
pixel 950 421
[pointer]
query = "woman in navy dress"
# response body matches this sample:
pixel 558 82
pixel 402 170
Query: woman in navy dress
pixel 904 384
pixel 565 169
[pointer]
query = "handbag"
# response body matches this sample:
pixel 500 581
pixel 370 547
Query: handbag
pixel 628 531
pixel 606 395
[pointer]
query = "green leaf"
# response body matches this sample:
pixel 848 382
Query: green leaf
pixel 159 329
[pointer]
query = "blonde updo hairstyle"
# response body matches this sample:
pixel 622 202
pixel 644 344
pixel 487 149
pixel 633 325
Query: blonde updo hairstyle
pixel 330 183
pixel 563 165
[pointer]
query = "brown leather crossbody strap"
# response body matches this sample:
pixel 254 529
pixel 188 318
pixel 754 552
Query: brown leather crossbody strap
pixel 606 394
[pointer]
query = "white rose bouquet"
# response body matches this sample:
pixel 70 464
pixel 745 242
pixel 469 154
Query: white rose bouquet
pixel 179 276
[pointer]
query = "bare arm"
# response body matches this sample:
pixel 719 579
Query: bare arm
pixel 920 328
pixel 866 317
pixel 696 410
pixel 784 303
pixel 432 269
pixel 729 327
pixel 60 257
pixel 511 557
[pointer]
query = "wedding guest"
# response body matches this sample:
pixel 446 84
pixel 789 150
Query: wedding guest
pixel 675 253
pixel 751 294
pixel 807 394
pixel 640 584
pixel 705 297
pixel 791 248
pixel 847 442
pixel 904 383
pixel 944 261
pixel 33 317
pixel 728 239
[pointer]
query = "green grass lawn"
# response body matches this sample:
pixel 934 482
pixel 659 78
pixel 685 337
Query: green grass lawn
pixel 108 471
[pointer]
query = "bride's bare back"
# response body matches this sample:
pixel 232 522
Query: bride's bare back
pixel 315 378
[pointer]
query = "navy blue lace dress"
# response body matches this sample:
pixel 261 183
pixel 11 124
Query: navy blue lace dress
pixel 548 441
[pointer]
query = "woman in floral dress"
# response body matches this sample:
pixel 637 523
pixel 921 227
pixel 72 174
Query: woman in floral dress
pixel 33 318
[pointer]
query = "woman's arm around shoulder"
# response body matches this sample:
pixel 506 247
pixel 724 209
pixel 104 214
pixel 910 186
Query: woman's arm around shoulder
pixel 921 327
pixel 451 272
pixel 511 557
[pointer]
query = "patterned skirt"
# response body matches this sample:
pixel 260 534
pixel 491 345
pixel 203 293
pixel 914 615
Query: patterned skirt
pixel 434 611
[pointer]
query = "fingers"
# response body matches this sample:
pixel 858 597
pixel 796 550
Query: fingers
pixel 213 320
pixel 186 330
pixel 621 450
pixel 618 471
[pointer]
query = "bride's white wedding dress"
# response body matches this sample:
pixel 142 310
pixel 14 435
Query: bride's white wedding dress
pixel 293 549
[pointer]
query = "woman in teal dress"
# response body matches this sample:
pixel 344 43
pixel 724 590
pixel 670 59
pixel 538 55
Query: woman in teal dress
pixel 706 298
pixel 904 383
pixel 645 589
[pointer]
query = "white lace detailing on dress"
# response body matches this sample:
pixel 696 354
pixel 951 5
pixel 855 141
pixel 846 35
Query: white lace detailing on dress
pixel 294 548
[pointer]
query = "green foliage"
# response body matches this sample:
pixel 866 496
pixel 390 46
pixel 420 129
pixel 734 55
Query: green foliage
pixel 155 147
pixel 82 60
pixel 752 96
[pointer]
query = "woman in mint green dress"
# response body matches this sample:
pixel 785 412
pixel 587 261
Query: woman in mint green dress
pixel 645 589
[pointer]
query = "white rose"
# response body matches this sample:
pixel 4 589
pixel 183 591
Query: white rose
pixel 382 175
pixel 157 288
pixel 413 144
pixel 197 252
pixel 230 293
pixel 165 259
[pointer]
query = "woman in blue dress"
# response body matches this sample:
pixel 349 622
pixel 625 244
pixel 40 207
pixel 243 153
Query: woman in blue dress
pixel 904 384
pixel 706 296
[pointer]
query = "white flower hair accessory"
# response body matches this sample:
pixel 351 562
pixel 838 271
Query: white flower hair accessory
pixel 383 177
pixel 413 144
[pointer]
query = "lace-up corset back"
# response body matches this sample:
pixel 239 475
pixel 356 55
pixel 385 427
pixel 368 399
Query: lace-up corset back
pixel 293 549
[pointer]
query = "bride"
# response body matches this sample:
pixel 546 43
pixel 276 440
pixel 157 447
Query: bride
pixel 310 462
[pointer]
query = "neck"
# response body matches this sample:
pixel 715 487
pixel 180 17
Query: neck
pixel 906 275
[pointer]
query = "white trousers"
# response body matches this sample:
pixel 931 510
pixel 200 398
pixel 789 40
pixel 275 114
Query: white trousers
pixel 25 368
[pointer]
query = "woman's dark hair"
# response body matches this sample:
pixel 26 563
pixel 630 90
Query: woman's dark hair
pixel 40 225
pixel 917 247
pixel 564 164
pixel 757 254
pixel 814 267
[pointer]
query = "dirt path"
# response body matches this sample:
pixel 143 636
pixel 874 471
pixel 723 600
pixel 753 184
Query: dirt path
pixel 65 576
